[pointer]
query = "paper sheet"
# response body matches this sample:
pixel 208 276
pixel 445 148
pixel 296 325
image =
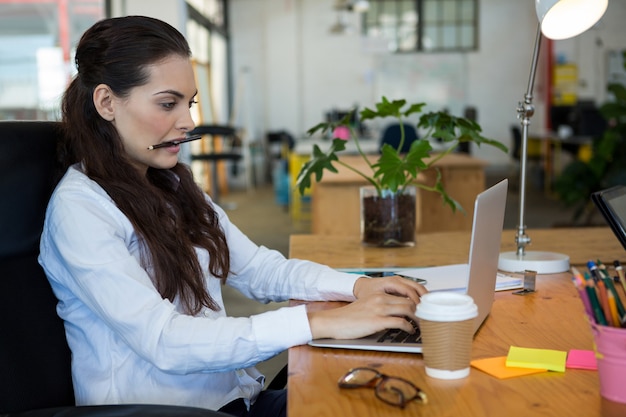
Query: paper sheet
pixel 552 360
pixel 454 277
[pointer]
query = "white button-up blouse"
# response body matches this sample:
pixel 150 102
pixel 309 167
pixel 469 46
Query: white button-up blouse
pixel 129 345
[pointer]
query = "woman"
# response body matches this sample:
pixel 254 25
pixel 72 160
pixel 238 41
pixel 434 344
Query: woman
pixel 136 252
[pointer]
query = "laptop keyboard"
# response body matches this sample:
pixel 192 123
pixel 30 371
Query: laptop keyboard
pixel 400 336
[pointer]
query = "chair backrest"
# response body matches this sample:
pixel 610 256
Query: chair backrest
pixel 392 134
pixel 516 142
pixel 34 356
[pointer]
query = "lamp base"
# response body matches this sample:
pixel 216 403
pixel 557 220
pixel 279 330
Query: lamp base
pixel 541 262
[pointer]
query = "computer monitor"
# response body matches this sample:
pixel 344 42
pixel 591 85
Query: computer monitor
pixel 562 116
pixel 584 118
pixel 590 120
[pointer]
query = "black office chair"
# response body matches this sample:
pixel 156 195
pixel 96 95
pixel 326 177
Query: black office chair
pixel 34 356
pixel 392 134
pixel 228 133
pixel 534 168
pixel 516 137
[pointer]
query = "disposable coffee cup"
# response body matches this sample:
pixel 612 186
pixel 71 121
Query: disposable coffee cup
pixel 610 346
pixel 447 325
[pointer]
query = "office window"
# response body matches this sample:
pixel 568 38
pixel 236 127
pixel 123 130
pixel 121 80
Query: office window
pixel 423 25
pixel 37 40
pixel 207 34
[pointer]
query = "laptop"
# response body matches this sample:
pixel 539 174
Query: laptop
pixel 480 276
pixel 612 204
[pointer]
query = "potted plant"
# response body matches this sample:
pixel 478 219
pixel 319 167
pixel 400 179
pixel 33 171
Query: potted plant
pixel 605 168
pixel 393 175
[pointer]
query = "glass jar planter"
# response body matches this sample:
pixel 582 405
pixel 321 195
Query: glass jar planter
pixel 388 220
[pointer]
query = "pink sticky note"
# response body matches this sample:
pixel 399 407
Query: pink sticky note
pixel 581 359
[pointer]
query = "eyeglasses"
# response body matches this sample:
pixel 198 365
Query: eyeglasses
pixel 390 389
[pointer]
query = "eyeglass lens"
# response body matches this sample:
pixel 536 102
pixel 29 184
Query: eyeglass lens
pixel 392 390
pixel 360 377
pixel 396 391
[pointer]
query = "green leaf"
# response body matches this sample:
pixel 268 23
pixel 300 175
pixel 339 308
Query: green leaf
pixel 414 109
pixel 618 90
pixel 448 128
pixel 319 162
pixel 395 172
pixel 454 205
pixel 613 110
pixel 384 108
pixel 330 126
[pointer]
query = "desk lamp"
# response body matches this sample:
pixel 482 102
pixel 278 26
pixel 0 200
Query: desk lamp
pixel 558 19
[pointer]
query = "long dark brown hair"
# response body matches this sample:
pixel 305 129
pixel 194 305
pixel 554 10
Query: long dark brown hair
pixel 166 207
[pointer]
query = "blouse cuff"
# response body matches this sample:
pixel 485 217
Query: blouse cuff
pixel 281 329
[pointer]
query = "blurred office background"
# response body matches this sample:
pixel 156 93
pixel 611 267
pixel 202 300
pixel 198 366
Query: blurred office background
pixel 284 65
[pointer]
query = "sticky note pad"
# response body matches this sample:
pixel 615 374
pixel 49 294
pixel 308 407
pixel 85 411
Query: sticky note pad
pixel 552 360
pixel 581 359
pixel 497 367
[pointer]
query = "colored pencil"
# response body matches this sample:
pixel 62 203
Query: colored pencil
pixel 613 308
pixel 604 301
pixel 593 299
pixel 582 293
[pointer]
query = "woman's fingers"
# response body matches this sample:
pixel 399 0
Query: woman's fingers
pixel 364 317
pixel 396 285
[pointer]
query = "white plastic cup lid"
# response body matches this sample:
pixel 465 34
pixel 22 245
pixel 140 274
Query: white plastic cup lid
pixel 446 306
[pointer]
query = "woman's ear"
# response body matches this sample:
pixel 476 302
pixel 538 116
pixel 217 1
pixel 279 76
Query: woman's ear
pixel 103 101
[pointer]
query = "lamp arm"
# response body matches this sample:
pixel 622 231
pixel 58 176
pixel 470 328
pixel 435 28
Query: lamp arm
pixel 525 111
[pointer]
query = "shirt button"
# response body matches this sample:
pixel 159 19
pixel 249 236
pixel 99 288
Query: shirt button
pixel 240 373
pixel 206 313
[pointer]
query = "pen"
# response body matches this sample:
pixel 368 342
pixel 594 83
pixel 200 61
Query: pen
pixel 175 142
pixel 602 269
pixel 593 270
pixel 620 274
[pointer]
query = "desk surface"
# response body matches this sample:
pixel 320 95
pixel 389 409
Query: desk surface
pixel 551 318
pixel 581 244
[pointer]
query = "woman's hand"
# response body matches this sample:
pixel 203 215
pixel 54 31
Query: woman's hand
pixel 368 314
pixel 395 285
pixel 382 303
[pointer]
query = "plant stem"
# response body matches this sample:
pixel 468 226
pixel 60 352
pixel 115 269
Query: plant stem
pixel 378 189
pixel 401 136
pixel 440 155
pixel 358 148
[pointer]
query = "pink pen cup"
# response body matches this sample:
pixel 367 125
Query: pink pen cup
pixel 610 346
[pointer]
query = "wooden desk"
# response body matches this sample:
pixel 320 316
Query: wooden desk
pixel 581 244
pixel 552 318
pixel 335 204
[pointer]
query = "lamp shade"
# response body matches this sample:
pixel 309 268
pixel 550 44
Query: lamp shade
pixel 562 19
